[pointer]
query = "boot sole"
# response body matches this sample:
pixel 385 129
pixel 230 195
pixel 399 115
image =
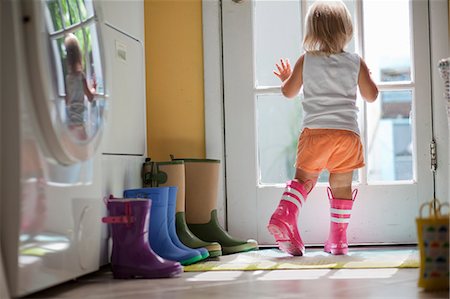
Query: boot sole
pixel 205 255
pixel 131 273
pixel 191 260
pixel 285 238
pixel 215 253
pixel 239 248
pixel 337 251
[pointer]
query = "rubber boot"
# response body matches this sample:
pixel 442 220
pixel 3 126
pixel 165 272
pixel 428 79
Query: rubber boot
pixel 158 227
pixel 171 225
pixel 172 173
pixel 151 175
pixel 340 211
pixel 202 178
pixel 283 222
pixel 132 256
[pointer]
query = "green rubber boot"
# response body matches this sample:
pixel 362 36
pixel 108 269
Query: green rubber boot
pixel 152 176
pixel 172 173
pixel 212 231
pixel 191 240
pixel 202 179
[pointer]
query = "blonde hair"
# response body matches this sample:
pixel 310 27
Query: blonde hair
pixel 328 27
pixel 73 53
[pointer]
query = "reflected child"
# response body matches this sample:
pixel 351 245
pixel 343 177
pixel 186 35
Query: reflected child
pixel 76 88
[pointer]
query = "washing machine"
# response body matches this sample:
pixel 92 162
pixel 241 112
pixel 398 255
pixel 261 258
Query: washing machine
pixel 51 170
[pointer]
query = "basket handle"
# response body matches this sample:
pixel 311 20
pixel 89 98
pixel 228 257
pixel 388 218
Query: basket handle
pixel 434 208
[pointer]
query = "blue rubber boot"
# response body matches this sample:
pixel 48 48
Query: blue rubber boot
pixel 171 208
pixel 158 233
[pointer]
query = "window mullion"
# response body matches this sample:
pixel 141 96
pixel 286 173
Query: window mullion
pixel 359 35
pixel 267 90
pixel 304 8
pixel 72 28
pixel 388 86
pixel 63 17
pixel 359 26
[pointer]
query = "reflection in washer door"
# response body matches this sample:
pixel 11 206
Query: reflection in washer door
pixel 63 41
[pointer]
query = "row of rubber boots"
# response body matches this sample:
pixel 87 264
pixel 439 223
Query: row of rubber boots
pixel 283 222
pixel 170 222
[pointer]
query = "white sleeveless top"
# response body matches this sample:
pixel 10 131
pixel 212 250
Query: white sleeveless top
pixel 329 88
pixel 75 96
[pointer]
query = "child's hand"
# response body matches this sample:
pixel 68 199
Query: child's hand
pixel 94 83
pixel 94 87
pixel 284 70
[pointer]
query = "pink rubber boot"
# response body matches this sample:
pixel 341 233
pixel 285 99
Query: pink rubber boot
pixel 340 211
pixel 283 223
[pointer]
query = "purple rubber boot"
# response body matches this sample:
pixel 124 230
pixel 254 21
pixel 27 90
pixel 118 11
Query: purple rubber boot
pixel 132 256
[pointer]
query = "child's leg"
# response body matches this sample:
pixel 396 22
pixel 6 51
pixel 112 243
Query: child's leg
pixel 308 179
pixel 341 184
pixel 341 203
pixel 283 223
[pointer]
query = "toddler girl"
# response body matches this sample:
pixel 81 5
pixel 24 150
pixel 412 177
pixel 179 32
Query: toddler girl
pixel 330 137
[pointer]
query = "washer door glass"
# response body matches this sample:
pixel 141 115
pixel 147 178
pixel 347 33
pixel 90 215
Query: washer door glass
pixel 65 57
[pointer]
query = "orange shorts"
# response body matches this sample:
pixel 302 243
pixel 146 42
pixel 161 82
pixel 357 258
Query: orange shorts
pixel 339 151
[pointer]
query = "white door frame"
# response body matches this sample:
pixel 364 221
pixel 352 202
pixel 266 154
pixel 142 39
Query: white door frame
pixel 440 48
pixel 214 95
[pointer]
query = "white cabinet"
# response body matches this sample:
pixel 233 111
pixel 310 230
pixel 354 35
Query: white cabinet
pixel 125 68
pixel 127 16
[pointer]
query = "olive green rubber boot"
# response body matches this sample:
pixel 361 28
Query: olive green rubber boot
pixel 202 179
pixel 191 240
pixel 172 173
pixel 213 232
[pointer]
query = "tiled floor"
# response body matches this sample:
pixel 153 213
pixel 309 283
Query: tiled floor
pixel 311 284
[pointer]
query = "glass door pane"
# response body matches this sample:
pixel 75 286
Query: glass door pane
pixel 278 125
pixel 278 34
pixel 387 39
pixel 389 125
pixel 390 147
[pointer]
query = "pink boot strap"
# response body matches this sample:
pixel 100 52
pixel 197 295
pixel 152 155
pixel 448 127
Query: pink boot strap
pixel 127 218
pixel 331 196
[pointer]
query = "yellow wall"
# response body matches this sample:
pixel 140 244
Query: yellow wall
pixel 174 73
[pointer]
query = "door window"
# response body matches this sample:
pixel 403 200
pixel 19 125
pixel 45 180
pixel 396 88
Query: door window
pixel 389 142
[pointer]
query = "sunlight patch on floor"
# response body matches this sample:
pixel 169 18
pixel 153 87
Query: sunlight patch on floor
pixel 294 274
pixel 364 273
pixel 216 276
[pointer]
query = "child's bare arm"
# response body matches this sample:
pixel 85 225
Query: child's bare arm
pixel 292 80
pixel 367 88
pixel 89 92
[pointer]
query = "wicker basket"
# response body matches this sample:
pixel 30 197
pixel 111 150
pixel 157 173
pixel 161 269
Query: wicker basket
pixel 433 236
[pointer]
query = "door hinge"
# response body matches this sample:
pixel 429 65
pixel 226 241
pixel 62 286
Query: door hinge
pixel 433 154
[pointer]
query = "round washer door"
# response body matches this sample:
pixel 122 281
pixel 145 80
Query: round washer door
pixel 64 58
